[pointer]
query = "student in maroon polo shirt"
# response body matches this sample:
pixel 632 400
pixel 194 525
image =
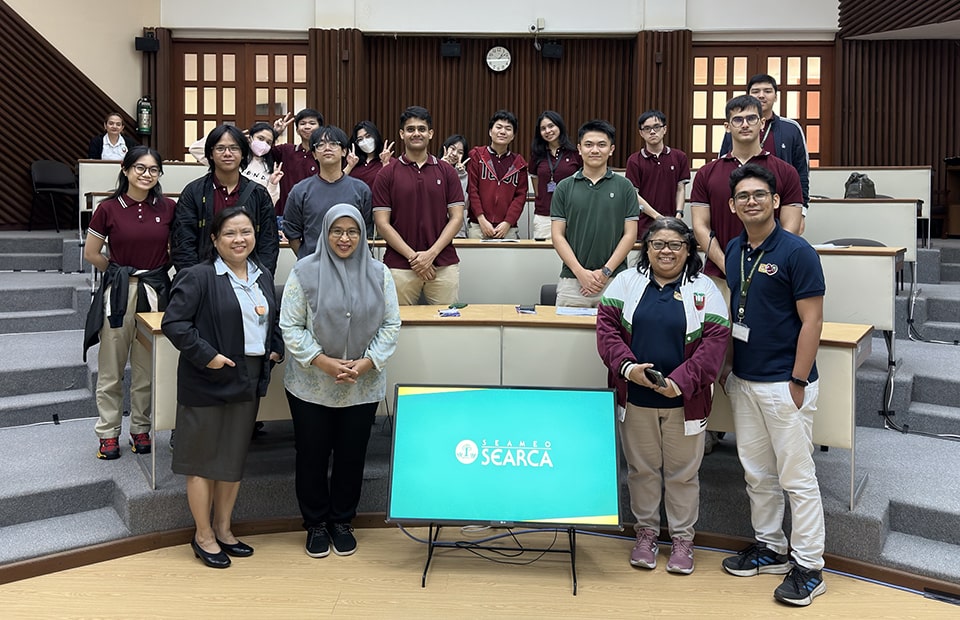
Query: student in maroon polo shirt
pixel 659 173
pixel 496 182
pixel 714 224
pixel 553 157
pixel 418 209
pixel 298 162
pixel 136 221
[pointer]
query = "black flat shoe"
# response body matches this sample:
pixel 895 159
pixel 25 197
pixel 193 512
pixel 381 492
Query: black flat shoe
pixel 213 560
pixel 237 549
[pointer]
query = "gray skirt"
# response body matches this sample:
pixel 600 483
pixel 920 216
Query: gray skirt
pixel 212 442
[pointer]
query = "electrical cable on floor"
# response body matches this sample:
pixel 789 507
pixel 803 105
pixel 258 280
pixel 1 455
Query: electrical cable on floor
pixel 555 531
pixel 914 335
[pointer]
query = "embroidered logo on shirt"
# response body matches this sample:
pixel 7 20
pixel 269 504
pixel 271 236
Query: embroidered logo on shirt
pixel 677 296
pixel 768 268
pixel 698 300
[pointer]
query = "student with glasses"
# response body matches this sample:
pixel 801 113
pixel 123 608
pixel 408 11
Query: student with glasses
pixel 227 150
pixel 780 136
pixel 135 220
pixel 341 321
pixel 311 198
pixel 660 173
pixel 777 287
pixel 713 222
pixel 664 316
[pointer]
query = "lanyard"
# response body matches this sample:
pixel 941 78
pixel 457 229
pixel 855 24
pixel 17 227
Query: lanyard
pixel 745 283
pixel 766 134
pixel 553 166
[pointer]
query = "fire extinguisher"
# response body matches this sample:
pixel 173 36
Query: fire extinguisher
pixel 144 116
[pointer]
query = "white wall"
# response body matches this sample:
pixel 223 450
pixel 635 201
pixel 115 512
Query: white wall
pixel 773 19
pixel 97 36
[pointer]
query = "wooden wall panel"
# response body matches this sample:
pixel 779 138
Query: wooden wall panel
pixel 898 102
pixel 861 17
pixel 46 103
pixel 383 75
pixel 157 81
pixel 663 81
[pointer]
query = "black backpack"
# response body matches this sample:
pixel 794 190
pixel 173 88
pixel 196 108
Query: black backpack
pixel 859 186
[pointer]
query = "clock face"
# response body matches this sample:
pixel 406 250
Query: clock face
pixel 498 58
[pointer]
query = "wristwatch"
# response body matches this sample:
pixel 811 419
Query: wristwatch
pixel 799 382
pixel 606 272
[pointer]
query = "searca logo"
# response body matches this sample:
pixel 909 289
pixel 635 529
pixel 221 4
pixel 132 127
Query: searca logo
pixel 498 453
pixel 770 269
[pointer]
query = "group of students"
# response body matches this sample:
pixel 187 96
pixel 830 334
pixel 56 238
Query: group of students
pixel 339 320
pixel 663 328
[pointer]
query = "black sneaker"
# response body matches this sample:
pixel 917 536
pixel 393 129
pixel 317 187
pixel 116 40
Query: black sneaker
pixel 344 543
pixel 756 559
pixel 800 586
pixel 318 541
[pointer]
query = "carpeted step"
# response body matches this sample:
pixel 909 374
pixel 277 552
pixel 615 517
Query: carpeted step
pixel 922 556
pixel 31 243
pixel 40 321
pixel 31 262
pixel 46 406
pixel 950 254
pixel 942 331
pixel 72 531
pixel 938 419
pixel 950 272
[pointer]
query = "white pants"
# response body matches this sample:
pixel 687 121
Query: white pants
pixel 568 294
pixel 541 227
pixel 775 444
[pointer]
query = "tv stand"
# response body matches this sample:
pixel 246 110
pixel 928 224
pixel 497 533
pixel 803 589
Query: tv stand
pixel 433 542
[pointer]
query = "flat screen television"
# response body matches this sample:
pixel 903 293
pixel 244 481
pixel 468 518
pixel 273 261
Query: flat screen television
pixel 504 456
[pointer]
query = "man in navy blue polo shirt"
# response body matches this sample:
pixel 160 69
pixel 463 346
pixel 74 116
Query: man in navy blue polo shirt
pixel 776 300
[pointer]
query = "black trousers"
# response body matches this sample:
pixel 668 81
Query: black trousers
pixel 320 433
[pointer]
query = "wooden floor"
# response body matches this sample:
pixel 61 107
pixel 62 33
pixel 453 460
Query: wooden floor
pixel 382 580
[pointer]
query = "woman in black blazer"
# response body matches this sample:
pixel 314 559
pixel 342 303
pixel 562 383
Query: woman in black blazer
pixel 222 317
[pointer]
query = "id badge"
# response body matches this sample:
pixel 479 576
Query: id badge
pixel 551 187
pixel 741 332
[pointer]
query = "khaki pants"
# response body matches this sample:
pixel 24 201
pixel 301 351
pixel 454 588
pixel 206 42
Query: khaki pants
pixel 653 441
pixel 442 290
pixel 473 232
pixel 116 346
pixel 568 294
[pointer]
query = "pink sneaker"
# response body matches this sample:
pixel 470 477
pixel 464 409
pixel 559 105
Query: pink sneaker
pixel 681 557
pixel 644 554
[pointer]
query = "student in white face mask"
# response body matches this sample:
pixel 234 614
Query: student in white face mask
pixel 261 168
pixel 367 154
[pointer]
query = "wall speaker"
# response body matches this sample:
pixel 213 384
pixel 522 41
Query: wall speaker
pixel 147 44
pixel 552 50
pixel 450 49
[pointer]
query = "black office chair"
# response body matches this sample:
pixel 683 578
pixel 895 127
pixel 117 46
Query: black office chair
pixel 548 295
pixel 52 178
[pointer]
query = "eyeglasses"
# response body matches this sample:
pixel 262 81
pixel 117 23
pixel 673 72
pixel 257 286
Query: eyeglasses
pixel 652 128
pixel 750 120
pixel 222 148
pixel 141 170
pixel 675 246
pixel 744 197
pixel 352 233
pixel 326 144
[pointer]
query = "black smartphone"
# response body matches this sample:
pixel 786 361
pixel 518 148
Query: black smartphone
pixel 655 376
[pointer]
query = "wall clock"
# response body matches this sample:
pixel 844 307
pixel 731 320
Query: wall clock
pixel 498 58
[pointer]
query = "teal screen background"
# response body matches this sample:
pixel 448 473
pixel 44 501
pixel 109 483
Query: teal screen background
pixel 429 483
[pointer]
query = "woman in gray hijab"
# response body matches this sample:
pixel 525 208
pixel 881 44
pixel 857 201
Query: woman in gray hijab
pixel 341 321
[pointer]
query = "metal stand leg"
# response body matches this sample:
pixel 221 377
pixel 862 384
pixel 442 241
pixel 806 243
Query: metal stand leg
pixel 432 535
